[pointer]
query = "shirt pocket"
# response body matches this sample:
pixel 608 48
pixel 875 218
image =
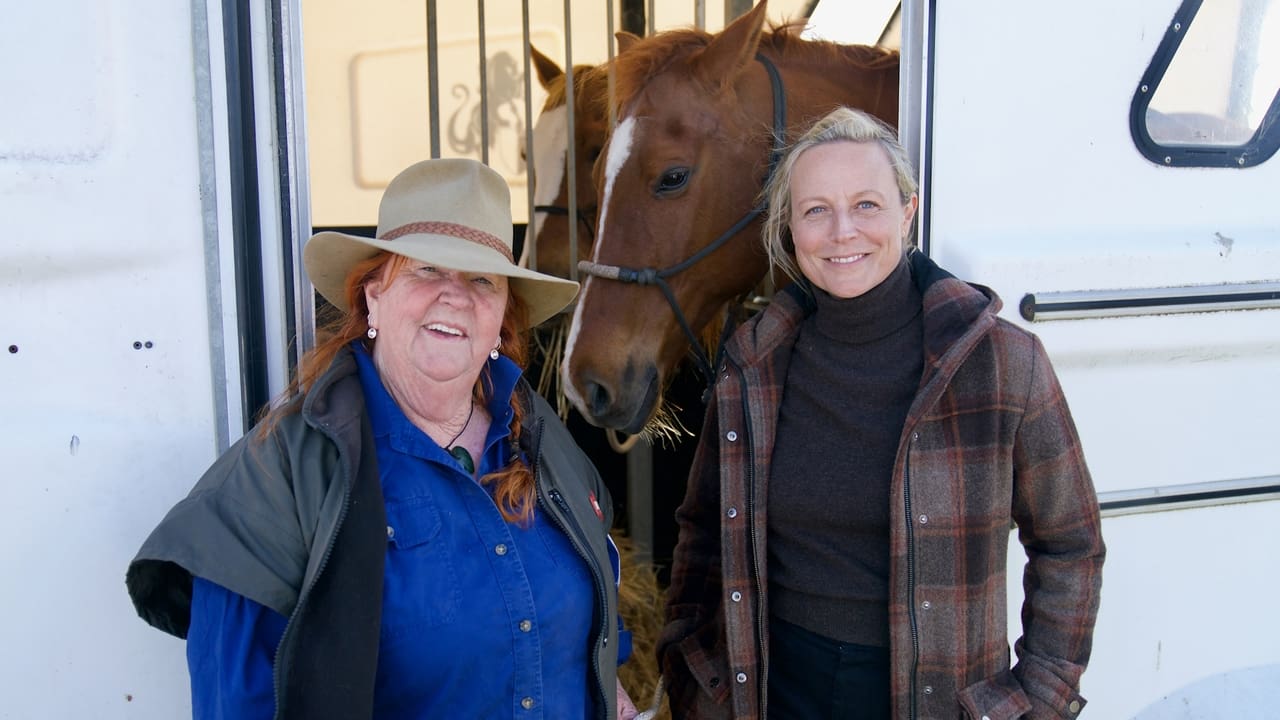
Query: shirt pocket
pixel 419 586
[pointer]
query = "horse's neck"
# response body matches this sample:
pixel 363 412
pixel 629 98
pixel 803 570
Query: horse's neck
pixel 815 86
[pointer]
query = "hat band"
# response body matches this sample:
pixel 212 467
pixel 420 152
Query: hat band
pixel 461 232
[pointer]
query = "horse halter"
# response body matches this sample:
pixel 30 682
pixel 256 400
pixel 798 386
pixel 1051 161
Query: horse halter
pixel 654 276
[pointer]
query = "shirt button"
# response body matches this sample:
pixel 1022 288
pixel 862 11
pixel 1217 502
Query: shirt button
pixel 732 513
pixel 741 678
pixel 924 519
pixel 525 626
pixel 500 549
pixel 527 703
pixel 732 435
pixel 391 533
pixel 1074 706
pixel 737 596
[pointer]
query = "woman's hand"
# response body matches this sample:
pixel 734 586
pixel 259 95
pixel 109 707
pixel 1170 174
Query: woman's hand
pixel 626 708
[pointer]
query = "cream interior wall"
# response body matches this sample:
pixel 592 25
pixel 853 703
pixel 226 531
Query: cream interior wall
pixel 367 86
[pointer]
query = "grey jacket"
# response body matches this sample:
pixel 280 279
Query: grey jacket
pixel 296 522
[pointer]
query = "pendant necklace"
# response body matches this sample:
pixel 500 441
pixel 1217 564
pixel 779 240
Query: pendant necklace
pixel 460 453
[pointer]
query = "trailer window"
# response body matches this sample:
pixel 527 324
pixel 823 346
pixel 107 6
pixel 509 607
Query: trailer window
pixel 1210 95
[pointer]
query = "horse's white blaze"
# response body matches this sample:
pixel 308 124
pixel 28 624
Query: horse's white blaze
pixel 550 147
pixel 619 151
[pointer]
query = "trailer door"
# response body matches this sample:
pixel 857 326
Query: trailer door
pixel 1152 278
pixel 144 281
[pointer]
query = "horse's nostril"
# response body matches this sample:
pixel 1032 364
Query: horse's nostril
pixel 598 398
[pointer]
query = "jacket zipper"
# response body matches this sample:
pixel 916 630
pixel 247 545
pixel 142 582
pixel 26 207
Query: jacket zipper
pixel 762 664
pixel 304 596
pixel 575 539
pixel 911 575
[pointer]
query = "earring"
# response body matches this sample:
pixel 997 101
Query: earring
pixel 373 332
pixel 493 354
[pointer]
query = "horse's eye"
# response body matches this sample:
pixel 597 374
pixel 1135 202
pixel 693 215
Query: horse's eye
pixel 592 154
pixel 673 180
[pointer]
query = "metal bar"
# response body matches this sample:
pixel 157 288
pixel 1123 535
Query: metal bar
pixel 1037 307
pixel 610 44
pixel 1179 497
pixel 700 14
pixel 570 157
pixel 734 8
pixel 530 247
pixel 433 79
pixel 246 213
pixel 484 87
pixel 648 18
pixel 291 139
pixel 640 499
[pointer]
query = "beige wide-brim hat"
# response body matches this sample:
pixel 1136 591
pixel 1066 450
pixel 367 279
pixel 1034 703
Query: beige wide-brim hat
pixel 452 212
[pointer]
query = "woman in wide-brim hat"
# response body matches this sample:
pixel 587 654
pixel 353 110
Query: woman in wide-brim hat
pixel 410 532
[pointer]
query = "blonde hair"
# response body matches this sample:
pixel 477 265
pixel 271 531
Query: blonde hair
pixel 840 125
pixel 514 491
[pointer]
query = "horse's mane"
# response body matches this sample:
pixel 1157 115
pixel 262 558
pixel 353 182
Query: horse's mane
pixel 653 55
pixel 590 89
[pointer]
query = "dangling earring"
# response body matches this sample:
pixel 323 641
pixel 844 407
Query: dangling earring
pixel 493 354
pixel 373 332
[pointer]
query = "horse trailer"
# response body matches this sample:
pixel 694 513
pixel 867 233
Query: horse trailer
pixel 1108 168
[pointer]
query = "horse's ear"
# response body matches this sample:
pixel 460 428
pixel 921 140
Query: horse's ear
pixel 625 40
pixel 547 68
pixel 731 50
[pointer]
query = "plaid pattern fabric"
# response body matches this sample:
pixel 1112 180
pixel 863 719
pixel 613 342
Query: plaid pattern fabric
pixel 988 443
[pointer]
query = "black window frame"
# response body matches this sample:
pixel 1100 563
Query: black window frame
pixel 1258 149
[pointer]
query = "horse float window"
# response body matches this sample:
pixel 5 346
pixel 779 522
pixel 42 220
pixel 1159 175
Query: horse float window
pixel 1209 97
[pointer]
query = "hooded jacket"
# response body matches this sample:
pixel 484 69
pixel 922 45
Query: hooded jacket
pixel 988 442
pixel 297 522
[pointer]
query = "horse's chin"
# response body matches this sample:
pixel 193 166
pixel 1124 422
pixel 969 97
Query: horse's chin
pixel 632 419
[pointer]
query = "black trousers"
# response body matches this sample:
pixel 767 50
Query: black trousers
pixel 812 677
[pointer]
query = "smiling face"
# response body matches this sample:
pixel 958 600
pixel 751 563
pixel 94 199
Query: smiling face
pixel 434 324
pixel 848 220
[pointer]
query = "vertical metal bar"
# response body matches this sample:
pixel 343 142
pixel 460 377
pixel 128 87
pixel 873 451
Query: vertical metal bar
pixel 700 14
pixel 571 152
pixel 640 499
pixel 531 247
pixel 648 19
pixel 484 87
pixel 734 8
pixel 610 44
pixel 433 79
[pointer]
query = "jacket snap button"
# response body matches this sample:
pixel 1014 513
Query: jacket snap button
pixel 742 677
pixel 737 596
pixel 928 689
pixel 732 436
pixel 500 549
pixel 391 533
pixel 732 513
pixel 527 703
pixel 525 626
pixel 924 519
pixel 926 604
pixel 1074 706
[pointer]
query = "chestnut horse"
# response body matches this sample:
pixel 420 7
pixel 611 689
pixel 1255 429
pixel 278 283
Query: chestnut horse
pixel 700 120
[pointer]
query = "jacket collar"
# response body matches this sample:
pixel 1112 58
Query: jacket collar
pixel 953 310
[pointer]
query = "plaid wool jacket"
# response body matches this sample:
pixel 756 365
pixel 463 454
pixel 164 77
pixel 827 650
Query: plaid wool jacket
pixel 988 443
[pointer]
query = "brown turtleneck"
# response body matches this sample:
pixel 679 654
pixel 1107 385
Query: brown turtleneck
pixel 854 370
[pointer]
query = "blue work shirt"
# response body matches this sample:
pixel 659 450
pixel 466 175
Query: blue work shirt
pixel 481 618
